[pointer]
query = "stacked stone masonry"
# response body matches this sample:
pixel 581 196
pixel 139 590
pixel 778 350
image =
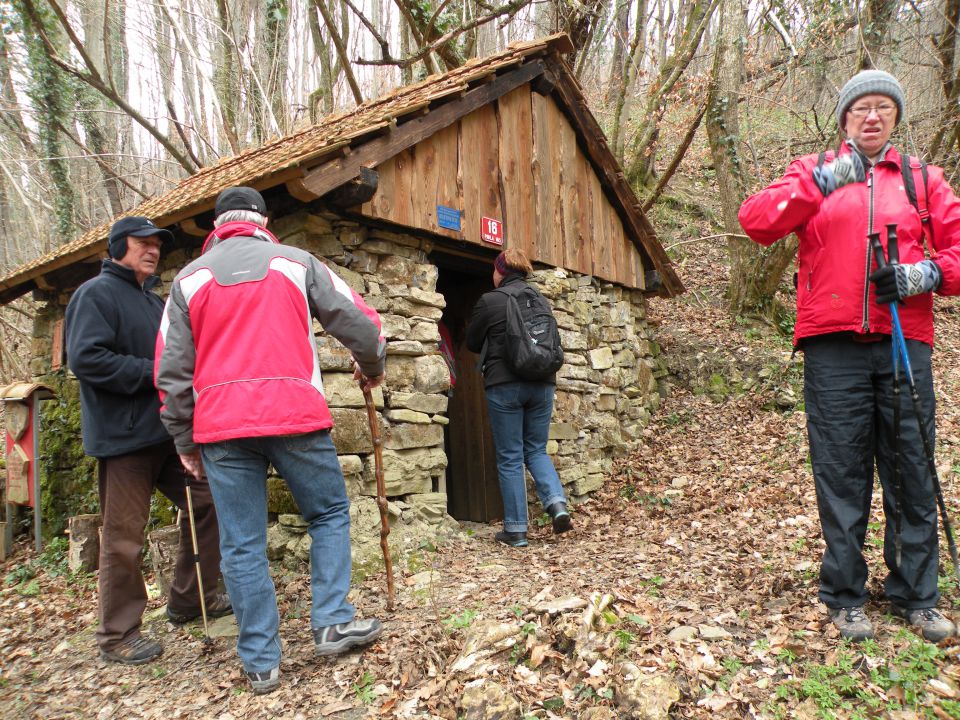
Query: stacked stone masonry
pixel 609 384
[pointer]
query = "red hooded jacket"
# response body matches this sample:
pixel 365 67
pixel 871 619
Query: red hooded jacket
pixel 834 262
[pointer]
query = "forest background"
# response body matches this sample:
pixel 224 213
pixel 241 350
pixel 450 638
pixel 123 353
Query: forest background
pixel 107 103
pixel 706 537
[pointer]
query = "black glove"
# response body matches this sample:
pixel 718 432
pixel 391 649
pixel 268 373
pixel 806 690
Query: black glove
pixel 844 170
pixel 896 282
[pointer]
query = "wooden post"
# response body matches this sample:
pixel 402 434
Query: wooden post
pixel 84 552
pixel 164 544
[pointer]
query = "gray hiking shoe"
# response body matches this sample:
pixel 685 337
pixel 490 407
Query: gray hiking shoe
pixel 335 639
pixel 932 625
pixel 133 651
pixel 852 623
pixel 264 682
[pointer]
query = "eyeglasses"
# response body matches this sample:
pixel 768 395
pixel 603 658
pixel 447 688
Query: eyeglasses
pixel 884 110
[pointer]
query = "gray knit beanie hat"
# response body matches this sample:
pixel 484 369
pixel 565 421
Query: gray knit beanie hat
pixel 869 82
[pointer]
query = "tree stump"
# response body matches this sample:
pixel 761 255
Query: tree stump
pixel 164 544
pixel 84 552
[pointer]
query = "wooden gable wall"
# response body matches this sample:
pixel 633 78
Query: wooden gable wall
pixel 515 160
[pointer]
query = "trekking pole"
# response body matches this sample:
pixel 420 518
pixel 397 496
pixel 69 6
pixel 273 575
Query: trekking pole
pixel 901 344
pixel 893 255
pixel 196 555
pixel 381 487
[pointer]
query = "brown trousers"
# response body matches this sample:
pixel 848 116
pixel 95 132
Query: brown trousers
pixel 127 483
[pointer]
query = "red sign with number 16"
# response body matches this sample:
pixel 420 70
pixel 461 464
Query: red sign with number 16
pixel 491 231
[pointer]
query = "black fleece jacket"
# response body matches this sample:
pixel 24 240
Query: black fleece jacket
pixel 489 321
pixel 111 331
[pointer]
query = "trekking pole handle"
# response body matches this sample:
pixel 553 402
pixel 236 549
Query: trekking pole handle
pixel 877 248
pixel 893 250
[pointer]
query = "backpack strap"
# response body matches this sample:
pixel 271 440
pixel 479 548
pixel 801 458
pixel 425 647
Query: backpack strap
pixel 485 348
pixel 914 172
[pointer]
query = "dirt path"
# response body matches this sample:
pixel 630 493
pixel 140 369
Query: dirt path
pixel 706 541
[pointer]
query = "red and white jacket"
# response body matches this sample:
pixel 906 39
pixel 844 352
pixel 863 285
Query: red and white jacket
pixel 834 260
pixel 236 354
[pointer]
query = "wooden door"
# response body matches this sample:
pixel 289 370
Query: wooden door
pixel 473 490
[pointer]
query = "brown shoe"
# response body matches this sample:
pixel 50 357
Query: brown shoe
pixel 133 651
pixel 218 607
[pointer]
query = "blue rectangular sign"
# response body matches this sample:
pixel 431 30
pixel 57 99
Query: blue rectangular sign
pixel 448 218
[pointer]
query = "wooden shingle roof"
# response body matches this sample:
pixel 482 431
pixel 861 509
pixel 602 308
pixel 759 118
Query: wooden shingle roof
pixel 289 159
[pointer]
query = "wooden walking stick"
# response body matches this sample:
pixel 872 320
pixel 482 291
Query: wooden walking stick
pixel 381 487
pixel 196 556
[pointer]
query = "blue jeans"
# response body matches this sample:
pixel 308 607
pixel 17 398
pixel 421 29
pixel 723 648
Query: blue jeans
pixel 520 422
pixel 237 471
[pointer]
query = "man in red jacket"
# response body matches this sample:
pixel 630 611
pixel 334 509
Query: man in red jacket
pixel 843 327
pixel 238 372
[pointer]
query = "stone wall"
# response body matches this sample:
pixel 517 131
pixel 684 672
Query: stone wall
pixel 610 380
pixel 605 390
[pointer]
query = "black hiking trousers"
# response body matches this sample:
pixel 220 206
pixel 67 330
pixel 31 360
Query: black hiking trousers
pixel 848 391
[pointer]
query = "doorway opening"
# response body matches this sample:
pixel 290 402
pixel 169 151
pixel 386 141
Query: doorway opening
pixel 473 491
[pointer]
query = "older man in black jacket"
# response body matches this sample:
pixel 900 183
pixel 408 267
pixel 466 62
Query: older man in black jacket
pixel 111 329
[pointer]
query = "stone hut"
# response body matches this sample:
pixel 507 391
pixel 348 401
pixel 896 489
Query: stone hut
pixel 408 198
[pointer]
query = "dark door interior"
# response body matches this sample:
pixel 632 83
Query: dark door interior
pixel 473 492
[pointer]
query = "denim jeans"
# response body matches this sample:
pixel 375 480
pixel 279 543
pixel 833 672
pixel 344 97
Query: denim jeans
pixel 237 471
pixel 520 422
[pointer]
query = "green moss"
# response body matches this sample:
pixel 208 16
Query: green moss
pixel 69 478
pixel 279 498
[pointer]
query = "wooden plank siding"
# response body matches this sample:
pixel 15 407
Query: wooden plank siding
pixel 479 171
pixel 547 186
pixel 516 160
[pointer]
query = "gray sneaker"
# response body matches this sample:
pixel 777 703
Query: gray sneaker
pixel 335 639
pixel 852 623
pixel 933 626
pixel 264 682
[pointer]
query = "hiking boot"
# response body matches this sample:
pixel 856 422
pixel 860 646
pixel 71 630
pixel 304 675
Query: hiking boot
pixel 133 651
pixel 335 639
pixel 513 539
pixel 933 626
pixel 852 623
pixel 218 607
pixel 264 682
pixel 561 518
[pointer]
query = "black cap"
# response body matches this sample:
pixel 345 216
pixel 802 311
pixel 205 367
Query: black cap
pixel 240 198
pixel 136 226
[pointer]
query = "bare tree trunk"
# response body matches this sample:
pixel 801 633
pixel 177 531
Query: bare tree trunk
pixel 406 36
pixel 274 45
pixel 338 43
pixel 754 273
pixel 49 88
pixel 642 151
pixel 626 75
pixel 97 39
pixel 225 73
pixel 948 128
pixel 873 31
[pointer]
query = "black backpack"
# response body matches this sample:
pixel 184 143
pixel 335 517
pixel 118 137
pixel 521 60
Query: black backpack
pixel 531 341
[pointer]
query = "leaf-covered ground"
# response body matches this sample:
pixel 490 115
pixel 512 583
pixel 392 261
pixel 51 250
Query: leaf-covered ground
pixel 696 565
